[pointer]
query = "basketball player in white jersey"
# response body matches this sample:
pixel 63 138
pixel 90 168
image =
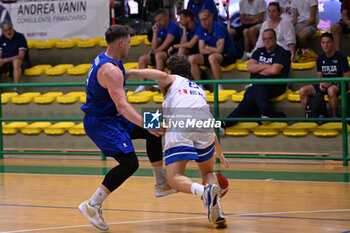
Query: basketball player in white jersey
pixel 185 100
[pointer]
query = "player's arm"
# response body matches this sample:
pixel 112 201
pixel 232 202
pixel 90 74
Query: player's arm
pixel 111 77
pixel 163 78
pixel 272 69
pixel 254 67
pixel 218 152
pixel 189 44
pixel 20 55
pixel 165 45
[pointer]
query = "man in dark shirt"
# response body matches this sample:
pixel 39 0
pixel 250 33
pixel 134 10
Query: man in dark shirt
pixel 331 63
pixel 270 61
pixel 13 51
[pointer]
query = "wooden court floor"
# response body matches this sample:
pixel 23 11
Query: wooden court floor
pixel 33 199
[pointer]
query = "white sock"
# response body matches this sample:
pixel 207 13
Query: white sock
pixel 220 87
pixel 98 197
pixel 159 175
pixel 197 189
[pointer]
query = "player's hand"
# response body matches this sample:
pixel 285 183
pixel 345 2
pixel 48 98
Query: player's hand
pixel 170 50
pixel 222 158
pixel 155 28
pixel 324 86
pixel 156 132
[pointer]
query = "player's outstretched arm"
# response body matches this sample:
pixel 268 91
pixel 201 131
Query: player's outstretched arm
pixel 163 78
pixel 219 154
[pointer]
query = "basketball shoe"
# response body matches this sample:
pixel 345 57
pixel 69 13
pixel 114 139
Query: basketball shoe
pixel 211 201
pixel 94 215
pixel 220 221
pixel 163 190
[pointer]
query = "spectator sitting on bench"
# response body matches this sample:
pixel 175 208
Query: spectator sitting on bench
pixel 331 63
pixel 270 61
pixel 14 55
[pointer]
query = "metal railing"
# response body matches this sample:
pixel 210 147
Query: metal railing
pixel 344 119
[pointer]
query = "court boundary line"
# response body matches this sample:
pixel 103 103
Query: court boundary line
pixel 186 218
pixel 266 180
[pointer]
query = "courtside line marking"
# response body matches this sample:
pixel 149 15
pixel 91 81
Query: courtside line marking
pixel 265 180
pixel 173 219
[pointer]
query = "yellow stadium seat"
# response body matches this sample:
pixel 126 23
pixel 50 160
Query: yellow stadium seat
pixel 242 66
pixel 31 43
pixel 86 43
pixel 238 97
pixel 7 96
pixel 13 127
pixel 24 98
pixel 96 38
pixel 59 128
pixel 102 43
pixel 303 65
pixel 82 99
pixel 136 40
pixel 75 39
pixel 299 129
pixel 271 129
pixel 330 129
pixel 47 98
pixel 65 44
pixel 241 128
pixel 131 65
pixel 58 69
pixel 294 96
pixel 141 97
pixel 158 98
pixel 35 128
pixel 204 68
pixel 129 93
pixel 280 97
pixel 228 68
pixel 77 130
pixel 223 95
pixel 46 44
pixel 55 40
pixel 70 97
pixel 79 69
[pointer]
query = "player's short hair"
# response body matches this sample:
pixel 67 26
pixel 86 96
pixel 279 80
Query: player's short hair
pixel 327 34
pixel 179 65
pixel 116 32
pixel 161 11
pixel 205 10
pixel 187 13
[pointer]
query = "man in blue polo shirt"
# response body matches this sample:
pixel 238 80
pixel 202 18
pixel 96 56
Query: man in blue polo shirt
pixel 165 34
pixel 270 61
pixel 189 34
pixel 197 5
pixel 13 51
pixel 215 47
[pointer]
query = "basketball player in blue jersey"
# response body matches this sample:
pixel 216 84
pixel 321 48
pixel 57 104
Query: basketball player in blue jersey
pixel 111 122
pixel 181 96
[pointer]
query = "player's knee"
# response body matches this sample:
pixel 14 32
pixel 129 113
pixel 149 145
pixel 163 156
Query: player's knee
pixel 336 29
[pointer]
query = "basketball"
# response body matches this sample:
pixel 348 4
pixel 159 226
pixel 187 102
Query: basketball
pixel 223 183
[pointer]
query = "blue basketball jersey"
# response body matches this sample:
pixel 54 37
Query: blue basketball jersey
pixel 98 100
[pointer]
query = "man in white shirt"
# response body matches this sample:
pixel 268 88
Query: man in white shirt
pixel 305 20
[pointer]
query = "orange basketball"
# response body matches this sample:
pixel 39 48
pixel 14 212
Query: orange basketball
pixel 223 183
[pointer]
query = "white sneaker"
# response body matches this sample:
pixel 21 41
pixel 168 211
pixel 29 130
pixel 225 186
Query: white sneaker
pixel 220 87
pixel 211 198
pixel 139 89
pixel 166 189
pixel 94 215
pixel 244 57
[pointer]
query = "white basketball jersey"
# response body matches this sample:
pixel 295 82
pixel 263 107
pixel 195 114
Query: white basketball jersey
pixel 183 93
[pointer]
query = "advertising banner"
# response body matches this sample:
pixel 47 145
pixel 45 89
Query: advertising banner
pixel 61 19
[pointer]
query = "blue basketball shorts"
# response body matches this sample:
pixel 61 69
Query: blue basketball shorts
pixel 110 133
pixel 198 146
